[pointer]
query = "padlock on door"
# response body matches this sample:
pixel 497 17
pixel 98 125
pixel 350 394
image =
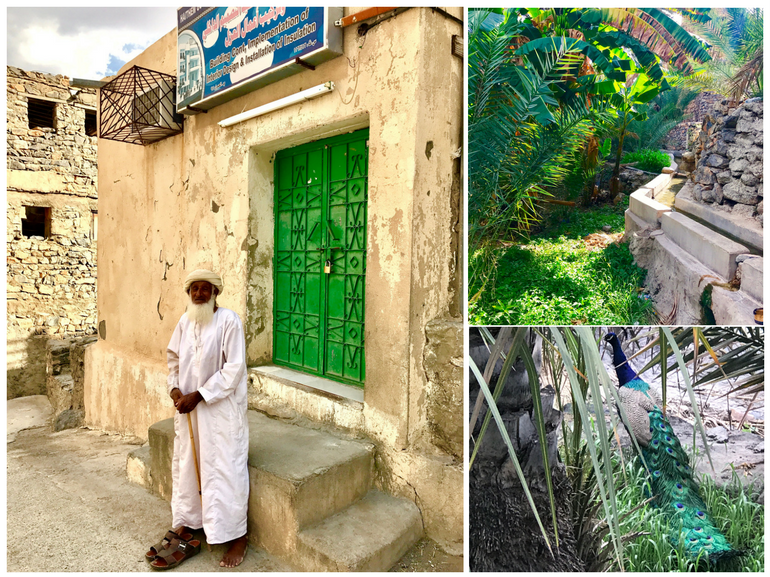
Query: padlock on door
pixel 328 267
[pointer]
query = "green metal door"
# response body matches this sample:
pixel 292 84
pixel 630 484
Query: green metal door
pixel 320 257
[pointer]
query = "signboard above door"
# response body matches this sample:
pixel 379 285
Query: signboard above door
pixel 224 53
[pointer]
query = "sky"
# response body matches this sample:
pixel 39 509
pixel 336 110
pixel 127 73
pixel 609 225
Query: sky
pixel 88 43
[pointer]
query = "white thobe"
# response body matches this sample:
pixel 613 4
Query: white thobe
pixel 211 359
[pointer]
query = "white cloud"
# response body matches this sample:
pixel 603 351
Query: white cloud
pixel 83 43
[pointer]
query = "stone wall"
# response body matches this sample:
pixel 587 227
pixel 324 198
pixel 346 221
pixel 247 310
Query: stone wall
pixel 51 274
pixel 729 162
pixel 65 373
pixel 681 136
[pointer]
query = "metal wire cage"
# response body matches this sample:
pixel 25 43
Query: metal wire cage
pixel 139 107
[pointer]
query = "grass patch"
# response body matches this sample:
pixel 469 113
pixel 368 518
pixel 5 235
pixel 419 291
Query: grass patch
pixel 648 159
pixel 740 519
pixel 559 278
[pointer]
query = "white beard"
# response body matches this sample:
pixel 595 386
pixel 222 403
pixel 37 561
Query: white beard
pixel 202 314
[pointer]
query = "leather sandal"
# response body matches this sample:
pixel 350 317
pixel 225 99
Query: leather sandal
pixel 155 550
pixel 175 553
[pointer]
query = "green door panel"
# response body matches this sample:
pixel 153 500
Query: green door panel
pixel 320 217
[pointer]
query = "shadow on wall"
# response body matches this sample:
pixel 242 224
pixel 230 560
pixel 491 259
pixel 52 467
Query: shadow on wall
pixel 25 365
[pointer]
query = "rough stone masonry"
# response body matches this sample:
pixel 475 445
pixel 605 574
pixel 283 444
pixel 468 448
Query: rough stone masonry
pixel 729 166
pixel 51 220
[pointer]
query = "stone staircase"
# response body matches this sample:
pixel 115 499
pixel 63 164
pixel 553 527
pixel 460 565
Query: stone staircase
pixel 312 500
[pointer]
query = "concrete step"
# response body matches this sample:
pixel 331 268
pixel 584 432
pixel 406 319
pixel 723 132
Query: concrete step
pixel 370 535
pixel 715 251
pixel 299 477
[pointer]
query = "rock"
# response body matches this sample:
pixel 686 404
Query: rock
pixel 749 179
pixel 754 105
pixel 755 168
pixel 728 135
pixel 749 125
pixel 724 177
pixel 697 192
pixel 737 166
pixel 707 194
pixel 761 207
pixel 688 156
pixel 607 228
pixel 731 121
pixel 740 193
pixel 720 148
pixel 754 154
pixel 737 152
pixel 717 434
pixel 718 194
pixel 69 419
pixel 704 175
pixel 744 140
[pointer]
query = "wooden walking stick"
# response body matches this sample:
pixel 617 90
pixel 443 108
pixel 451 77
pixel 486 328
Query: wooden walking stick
pixel 197 467
pixel 195 457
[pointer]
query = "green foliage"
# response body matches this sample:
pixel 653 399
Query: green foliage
pixel 664 112
pixel 557 280
pixel 519 142
pixel 648 159
pixel 736 39
pixel 544 85
pixel 739 518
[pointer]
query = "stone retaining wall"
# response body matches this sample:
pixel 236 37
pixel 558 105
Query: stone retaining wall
pixel 681 136
pixel 729 166
pixel 51 274
pixel 65 378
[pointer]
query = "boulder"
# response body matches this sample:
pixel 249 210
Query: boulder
pixel 740 193
pixel 704 175
pixel 749 179
pixel 724 177
pixel 717 161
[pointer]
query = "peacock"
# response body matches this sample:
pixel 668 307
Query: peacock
pixel 672 482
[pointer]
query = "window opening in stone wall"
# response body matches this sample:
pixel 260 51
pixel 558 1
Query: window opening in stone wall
pixel 36 222
pixel 91 123
pixel 94 224
pixel 41 113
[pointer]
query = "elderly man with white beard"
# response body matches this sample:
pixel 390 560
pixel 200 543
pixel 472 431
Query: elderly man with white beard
pixel 207 381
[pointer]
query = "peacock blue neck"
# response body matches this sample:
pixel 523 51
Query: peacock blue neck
pixel 626 375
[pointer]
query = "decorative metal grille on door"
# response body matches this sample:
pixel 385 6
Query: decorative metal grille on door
pixel 320 257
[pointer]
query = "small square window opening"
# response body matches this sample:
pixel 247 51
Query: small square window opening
pixel 91 123
pixel 41 113
pixel 36 222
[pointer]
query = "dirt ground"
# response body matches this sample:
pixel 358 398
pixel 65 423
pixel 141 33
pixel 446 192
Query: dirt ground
pixel 70 506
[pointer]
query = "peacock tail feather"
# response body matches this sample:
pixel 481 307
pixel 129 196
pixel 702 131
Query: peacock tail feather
pixel 671 478
pixel 677 495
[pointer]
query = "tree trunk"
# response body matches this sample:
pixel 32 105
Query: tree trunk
pixel 615 181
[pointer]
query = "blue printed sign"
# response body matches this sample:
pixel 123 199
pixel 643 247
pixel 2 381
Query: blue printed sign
pixel 226 52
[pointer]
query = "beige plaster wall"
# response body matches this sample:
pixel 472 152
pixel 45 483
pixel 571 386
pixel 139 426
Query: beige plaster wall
pixel 205 198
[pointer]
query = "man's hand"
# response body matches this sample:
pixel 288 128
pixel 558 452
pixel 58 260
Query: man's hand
pixel 187 403
pixel 176 394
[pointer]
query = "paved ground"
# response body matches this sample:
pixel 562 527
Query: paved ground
pixel 71 507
